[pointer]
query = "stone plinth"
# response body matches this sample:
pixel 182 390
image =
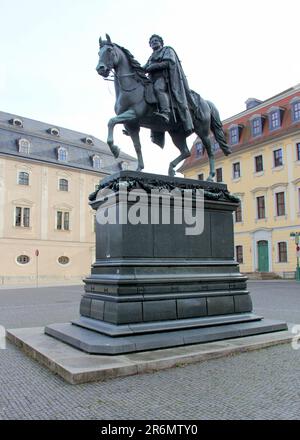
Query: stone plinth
pixel 155 280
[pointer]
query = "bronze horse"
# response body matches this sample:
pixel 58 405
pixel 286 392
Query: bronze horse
pixel 135 110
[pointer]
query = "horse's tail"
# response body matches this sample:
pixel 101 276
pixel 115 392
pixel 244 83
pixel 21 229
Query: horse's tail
pixel 217 129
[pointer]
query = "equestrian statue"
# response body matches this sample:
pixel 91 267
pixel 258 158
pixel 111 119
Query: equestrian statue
pixel 157 96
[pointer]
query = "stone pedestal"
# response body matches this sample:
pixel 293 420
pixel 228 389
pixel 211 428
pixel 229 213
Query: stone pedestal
pixel 154 286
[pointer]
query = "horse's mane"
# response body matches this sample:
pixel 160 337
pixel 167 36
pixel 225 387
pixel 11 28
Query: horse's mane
pixel 134 64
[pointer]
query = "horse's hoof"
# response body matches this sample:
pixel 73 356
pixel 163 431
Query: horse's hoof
pixel 171 172
pixel 210 179
pixel 139 168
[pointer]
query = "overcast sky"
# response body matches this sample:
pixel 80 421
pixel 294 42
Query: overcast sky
pixel 230 50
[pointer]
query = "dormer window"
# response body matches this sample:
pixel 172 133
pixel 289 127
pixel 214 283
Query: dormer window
pixel 62 154
pixel 256 125
pixel 296 110
pixel 16 122
pixel 24 146
pixel 199 149
pixel 216 146
pixel 234 134
pixel 54 131
pixel 88 140
pixel 125 165
pixel 96 162
pixel 275 118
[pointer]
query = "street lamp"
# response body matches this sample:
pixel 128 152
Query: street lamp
pixel 296 236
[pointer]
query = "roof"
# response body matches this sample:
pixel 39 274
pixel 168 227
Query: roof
pixel 44 145
pixel 282 101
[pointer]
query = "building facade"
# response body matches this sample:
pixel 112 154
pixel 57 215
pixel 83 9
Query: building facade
pixel 47 229
pixel 264 172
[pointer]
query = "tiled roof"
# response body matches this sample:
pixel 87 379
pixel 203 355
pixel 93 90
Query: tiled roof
pixel 44 145
pixel 246 140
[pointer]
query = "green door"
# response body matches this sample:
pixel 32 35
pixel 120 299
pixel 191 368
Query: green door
pixel 263 256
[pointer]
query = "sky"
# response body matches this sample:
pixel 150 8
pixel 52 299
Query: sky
pixel 230 50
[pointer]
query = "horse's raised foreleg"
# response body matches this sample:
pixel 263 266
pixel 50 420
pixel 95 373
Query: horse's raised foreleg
pixel 179 139
pixel 134 131
pixel 129 115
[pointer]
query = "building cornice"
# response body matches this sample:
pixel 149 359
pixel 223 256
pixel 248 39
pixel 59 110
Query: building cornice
pixel 248 145
pixel 53 164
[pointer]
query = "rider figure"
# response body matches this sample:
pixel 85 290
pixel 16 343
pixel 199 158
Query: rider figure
pixel 166 73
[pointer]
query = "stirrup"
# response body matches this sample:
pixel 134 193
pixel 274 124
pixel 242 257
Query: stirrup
pixel 162 115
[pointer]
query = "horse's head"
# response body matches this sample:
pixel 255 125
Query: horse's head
pixel 108 57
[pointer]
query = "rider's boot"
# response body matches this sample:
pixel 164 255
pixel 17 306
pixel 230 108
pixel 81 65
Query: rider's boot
pixel 164 107
pixel 164 115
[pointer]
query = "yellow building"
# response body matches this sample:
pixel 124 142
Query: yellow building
pixel 264 172
pixel 46 175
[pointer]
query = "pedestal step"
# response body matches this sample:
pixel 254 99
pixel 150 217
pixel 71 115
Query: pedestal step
pixel 96 343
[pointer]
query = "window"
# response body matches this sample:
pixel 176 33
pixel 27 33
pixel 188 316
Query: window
pixel 261 210
pixel 239 254
pixel 259 166
pixel 23 259
pixel 201 176
pixel 23 178
pixel 234 135
pixel 296 111
pixel 63 221
pixel 274 119
pixel 236 168
pixel 17 122
pixel 54 131
pixel 216 146
pixel 282 252
pixel 256 126
pixel 22 217
pixel 63 260
pixel 219 175
pixel 96 162
pixel 88 140
pixel 280 204
pixel 238 214
pixel 63 185
pixel 62 154
pixel 278 160
pixel 298 151
pixel 199 149
pixel 24 146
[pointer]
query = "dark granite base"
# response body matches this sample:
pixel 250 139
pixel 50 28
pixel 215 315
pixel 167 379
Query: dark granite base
pixel 161 326
pixel 96 343
pixel 155 286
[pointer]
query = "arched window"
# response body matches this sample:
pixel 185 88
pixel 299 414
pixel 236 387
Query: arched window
pixel 63 185
pixel 24 146
pixel 96 162
pixel 23 178
pixel 62 154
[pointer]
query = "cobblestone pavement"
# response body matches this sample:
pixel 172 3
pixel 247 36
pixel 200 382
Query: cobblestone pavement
pixel 263 384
